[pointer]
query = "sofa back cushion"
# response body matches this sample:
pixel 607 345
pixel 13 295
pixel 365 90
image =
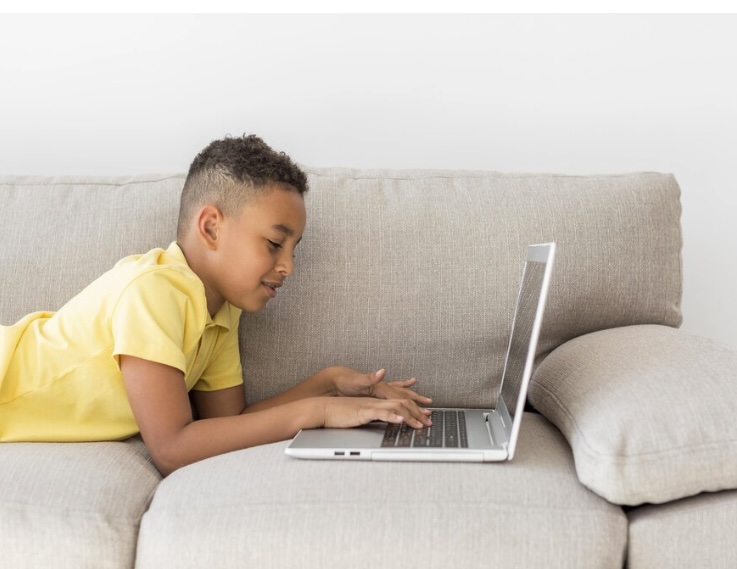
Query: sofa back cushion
pixel 413 271
pixel 60 234
pixel 418 272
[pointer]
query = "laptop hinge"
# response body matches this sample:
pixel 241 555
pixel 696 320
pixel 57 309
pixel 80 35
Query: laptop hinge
pixel 497 432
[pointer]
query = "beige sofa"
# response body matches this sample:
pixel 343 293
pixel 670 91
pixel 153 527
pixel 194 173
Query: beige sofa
pixel 627 456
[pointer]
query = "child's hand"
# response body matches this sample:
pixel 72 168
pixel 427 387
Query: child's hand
pixel 344 412
pixel 352 383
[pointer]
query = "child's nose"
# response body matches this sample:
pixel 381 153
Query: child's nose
pixel 285 265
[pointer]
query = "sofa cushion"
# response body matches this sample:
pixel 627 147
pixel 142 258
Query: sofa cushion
pixel 73 505
pixel 647 410
pixel 694 532
pixel 418 272
pixel 531 512
pixel 59 234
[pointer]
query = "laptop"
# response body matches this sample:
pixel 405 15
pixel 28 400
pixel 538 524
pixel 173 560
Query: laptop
pixel 456 435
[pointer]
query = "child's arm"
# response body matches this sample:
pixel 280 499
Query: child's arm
pixel 160 404
pixel 333 381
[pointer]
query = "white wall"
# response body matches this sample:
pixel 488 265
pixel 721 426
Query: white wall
pixel 574 94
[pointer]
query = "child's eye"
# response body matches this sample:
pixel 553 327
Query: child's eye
pixel 274 244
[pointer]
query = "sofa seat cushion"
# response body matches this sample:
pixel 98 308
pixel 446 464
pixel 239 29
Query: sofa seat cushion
pixel 693 532
pixel 647 410
pixel 531 511
pixel 73 505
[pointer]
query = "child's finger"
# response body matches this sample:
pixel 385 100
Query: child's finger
pixel 377 376
pixel 403 382
pixel 412 394
pixel 395 411
pixel 414 416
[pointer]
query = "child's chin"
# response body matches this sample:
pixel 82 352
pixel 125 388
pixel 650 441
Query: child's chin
pixel 254 307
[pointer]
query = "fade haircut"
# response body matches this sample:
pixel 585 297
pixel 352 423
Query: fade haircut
pixel 230 172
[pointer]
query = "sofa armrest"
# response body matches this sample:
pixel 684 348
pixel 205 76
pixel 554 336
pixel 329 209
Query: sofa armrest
pixel 648 412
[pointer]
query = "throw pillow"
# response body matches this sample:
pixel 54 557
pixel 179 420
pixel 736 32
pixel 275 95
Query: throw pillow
pixel 649 412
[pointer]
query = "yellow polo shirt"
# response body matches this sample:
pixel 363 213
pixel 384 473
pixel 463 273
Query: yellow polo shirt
pixel 59 373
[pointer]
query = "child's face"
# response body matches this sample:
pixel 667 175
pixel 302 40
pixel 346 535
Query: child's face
pixel 255 253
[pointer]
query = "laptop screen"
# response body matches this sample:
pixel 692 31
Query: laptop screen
pixel 519 343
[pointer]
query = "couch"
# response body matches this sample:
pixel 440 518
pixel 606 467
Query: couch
pixel 628 449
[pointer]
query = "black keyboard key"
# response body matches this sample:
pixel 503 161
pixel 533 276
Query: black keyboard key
pixel 451 429
pixel 390 435
pixel 436 431
pixel 405 436
pixel 462 432
pixel 421 437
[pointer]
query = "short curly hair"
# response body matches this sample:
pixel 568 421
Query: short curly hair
pixel 230 172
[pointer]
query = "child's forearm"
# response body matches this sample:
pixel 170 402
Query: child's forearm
pixel 161 407
pixel 319 385
pixel 210 437
pixel 205 438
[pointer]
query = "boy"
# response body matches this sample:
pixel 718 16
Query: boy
pixel 127 354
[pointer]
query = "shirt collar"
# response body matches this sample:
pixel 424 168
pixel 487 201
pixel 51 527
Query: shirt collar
pixel 175 251
pixel 228 316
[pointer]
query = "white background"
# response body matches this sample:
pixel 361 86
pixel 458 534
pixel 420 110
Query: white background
pixel 575 94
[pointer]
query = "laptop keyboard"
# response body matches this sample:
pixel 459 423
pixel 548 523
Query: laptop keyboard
pixel 448 430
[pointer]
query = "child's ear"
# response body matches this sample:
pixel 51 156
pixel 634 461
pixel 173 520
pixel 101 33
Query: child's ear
pixel 209 219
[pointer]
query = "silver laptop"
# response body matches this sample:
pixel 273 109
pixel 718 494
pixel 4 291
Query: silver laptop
pixel 466 435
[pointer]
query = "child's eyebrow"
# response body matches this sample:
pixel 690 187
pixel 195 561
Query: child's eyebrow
pixel 285 230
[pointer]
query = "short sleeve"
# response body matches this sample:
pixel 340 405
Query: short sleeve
pixel 224 369
pixel 150 320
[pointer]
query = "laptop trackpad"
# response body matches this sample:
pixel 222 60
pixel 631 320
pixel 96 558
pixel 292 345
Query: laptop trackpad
pixel 367 436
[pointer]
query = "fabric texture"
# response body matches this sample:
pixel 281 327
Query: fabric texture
pixel 418 272
pixel 73 505
pixel 60 234
pixel 694 532
pixel 59 374
pixel 647 410
pixel 531 512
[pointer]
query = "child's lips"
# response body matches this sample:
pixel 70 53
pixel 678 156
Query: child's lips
pixel 271 288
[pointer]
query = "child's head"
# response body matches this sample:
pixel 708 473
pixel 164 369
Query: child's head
pixel 230 172
pixel 241 217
